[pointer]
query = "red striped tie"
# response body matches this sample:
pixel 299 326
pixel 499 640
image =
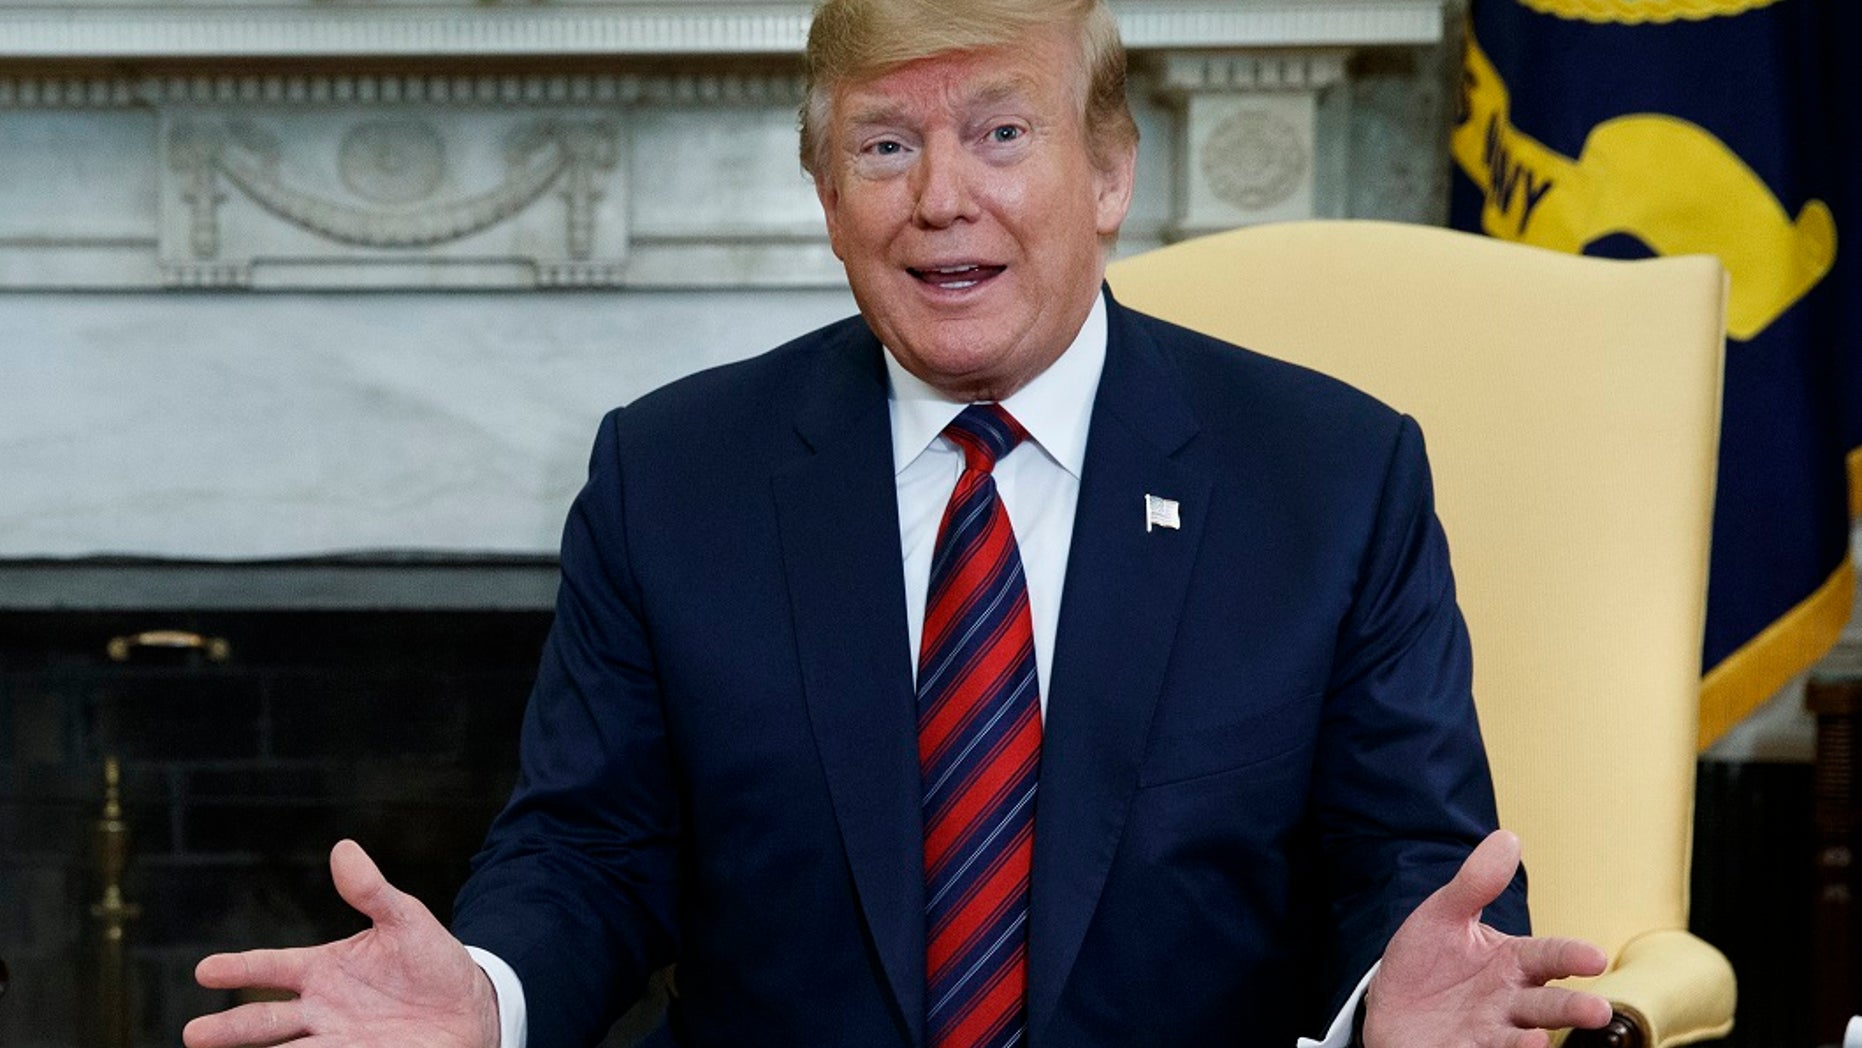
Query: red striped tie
pixel 979 742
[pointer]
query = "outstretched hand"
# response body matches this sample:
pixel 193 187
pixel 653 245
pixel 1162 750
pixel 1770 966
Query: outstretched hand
pixel 1448 979
pixel 403 983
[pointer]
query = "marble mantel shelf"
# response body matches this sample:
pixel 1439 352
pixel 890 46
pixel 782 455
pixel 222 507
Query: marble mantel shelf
pixel 386 582
pixel 80 30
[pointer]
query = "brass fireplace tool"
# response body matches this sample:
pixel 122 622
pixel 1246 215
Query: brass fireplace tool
pixel 113 915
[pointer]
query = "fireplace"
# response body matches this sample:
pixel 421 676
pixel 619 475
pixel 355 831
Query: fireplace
pixel 258 712
pixel 240 767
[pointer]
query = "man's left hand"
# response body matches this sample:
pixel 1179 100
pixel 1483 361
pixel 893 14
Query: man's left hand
pixel 1448 979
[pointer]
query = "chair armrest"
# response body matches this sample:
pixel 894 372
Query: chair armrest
pixel 1669 988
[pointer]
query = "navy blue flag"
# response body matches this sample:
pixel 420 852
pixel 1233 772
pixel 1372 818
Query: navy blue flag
pixel 1631 128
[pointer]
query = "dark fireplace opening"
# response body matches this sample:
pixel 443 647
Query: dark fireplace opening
pixel 249 742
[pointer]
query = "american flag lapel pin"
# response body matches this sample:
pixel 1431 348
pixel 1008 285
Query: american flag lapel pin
pixel 1161 513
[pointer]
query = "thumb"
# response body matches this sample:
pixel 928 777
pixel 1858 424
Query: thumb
pixel 360 883
pixel 1481 879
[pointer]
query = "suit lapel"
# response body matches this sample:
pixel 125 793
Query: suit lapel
pixel 1123 597
pixel 837 510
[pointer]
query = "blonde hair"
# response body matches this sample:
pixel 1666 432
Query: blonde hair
pixel 852 39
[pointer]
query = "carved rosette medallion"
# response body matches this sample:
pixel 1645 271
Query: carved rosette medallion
pixel 1254 160
pixel 392 161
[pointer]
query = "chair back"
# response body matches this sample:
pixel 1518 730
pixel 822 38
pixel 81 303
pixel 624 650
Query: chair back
pixel 1571 408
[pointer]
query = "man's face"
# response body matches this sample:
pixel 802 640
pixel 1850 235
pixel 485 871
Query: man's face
pixel 963 200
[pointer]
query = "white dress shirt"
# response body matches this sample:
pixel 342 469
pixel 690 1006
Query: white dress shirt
pixel 1039 483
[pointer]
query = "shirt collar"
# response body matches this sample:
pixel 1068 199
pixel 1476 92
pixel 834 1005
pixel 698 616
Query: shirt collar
pixel 1055 407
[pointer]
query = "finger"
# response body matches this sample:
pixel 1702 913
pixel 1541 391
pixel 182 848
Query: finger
pixel 269 1022
pixel 1481 879
pixel 1542 960
pixel 279 969
pixel 360 883
pixel 1554 1008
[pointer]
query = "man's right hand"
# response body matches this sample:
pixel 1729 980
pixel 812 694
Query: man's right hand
pixel 403 983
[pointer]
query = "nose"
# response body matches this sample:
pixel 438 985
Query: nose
pixel 943 184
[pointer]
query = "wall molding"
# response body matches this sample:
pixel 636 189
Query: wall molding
pixel 1261 70
pixel 1302 23
pixel 426 31
pixel 96 31
pixel 721 87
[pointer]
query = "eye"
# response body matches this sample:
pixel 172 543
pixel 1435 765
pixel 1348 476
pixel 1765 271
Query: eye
pixel 1006 133
pixel 886 147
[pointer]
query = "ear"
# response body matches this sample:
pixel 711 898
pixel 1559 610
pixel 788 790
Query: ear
pixel 1112 189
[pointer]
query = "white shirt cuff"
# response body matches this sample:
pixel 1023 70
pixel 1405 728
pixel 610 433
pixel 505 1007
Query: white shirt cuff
pixel 509 991
pixel 1339 1033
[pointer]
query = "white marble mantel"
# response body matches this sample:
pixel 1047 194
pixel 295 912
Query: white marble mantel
pixel 295 277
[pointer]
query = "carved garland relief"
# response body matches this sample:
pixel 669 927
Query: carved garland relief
pixel 390 172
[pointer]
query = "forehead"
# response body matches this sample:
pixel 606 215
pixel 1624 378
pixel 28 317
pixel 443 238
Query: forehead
pixel 1036 70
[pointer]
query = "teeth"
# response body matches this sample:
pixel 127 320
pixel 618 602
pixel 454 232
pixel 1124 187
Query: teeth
pixel 959 277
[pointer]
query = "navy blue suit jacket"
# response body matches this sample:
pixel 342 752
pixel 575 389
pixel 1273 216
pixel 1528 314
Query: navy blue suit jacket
pixel 1260 750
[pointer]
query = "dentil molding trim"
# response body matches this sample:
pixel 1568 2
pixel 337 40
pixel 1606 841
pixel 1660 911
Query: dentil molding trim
pixel 1251 71
pixel 370 89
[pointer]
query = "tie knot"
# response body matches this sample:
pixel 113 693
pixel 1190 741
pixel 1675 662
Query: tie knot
pixel 985 432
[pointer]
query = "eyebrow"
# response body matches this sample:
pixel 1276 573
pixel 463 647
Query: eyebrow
pixel 876 113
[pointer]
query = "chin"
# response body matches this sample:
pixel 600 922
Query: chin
pixel 969 364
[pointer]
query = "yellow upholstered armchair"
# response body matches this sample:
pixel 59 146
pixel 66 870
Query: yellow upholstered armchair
pixel 1571 408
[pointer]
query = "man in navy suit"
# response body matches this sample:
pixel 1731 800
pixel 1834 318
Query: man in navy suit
pixel 1262 805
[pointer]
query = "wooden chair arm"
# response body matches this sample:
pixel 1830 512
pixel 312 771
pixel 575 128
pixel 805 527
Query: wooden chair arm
pixel 1623 1031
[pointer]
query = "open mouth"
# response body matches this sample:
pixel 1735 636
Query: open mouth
pixel 955 278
